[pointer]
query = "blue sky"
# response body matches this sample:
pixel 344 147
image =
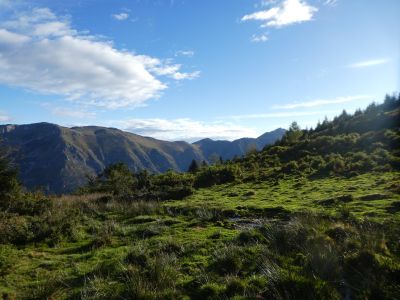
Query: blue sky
pixel 188 69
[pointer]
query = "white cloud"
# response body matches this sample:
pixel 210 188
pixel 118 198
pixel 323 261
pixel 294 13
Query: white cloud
pixel 121 16
pixel 12 39
pixel 184 129
pixel 187 53
pixel 53 29
pixel 41 52
pixel 287 13
pixel 368 63
pixel 322 102
pixel 258 38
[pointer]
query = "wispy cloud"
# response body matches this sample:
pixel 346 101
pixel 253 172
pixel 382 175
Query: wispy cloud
pixel 259 38
pixel 265 3
pixel 288 12
pixel 187 53
pixel 281 115
pixel 78 66
pixel 184 129
pixel 331 2
pixel 368 63
pixel 72 113
pixel 189 76
pixel 120 16
pixel 322 102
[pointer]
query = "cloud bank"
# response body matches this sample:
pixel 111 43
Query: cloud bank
pixel 184 129
pixel 41 52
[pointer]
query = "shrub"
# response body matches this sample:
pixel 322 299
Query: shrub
pixel 219 174
pixel 117 179
pixel 291 167
pixel 169 186
pixel 15 229
pixel 32 204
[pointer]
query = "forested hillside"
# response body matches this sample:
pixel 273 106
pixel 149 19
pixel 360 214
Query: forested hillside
pixel 314 216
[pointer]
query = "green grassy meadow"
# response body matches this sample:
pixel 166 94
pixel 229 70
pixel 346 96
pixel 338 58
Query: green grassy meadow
pixel 217 243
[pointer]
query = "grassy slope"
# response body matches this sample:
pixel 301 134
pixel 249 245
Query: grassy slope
pixel 195 228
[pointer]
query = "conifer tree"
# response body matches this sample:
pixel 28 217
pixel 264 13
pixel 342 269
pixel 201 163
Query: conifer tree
pixel 193 167
pixel 9 186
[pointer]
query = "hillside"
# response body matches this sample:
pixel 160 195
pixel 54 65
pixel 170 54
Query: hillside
pixel 59 158
pixel 314 216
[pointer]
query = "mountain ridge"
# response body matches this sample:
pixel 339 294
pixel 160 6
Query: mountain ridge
pixel 59 159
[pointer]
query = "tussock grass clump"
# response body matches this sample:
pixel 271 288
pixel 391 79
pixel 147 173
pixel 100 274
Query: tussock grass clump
pixel 150 277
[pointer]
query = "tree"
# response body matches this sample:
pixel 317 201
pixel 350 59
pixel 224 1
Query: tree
pixel 390 102
pixel 9 186
pixel 193 167
pixel 143 180
pixel 294 133
pixel 118 179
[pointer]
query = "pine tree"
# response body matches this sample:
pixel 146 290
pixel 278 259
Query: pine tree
pixel 9 186
pixel 294 133
pixel 193 167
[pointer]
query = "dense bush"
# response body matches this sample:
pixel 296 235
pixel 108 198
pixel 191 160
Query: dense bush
pixel 218 174
pixel 173 185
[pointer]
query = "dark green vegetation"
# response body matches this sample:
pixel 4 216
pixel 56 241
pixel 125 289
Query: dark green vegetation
pixel 315 216
pixel 57 159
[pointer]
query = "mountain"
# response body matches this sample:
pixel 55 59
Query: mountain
pixel 59 158
pixel 228 150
